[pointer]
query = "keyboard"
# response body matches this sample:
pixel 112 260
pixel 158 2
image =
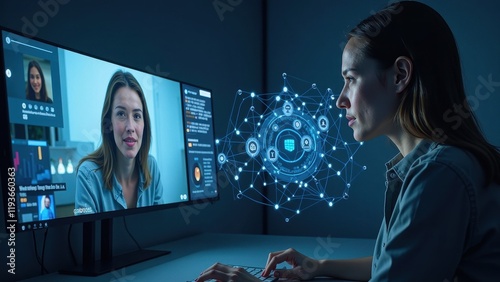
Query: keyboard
pixel 255 271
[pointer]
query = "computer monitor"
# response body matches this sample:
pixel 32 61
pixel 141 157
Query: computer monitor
pixel 51 103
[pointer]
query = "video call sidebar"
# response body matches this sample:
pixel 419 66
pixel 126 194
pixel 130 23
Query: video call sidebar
pixel 198 121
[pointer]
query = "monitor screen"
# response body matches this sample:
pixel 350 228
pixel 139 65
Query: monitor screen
pixel 63 107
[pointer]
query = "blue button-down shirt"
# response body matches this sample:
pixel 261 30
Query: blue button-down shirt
pixel 91 195
pixel 440 221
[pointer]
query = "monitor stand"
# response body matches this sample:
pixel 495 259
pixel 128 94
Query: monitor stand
pixel 108 262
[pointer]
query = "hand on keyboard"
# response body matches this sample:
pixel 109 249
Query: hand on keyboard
pixel 223 272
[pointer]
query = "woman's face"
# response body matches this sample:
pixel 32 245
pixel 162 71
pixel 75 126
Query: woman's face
pixel 127 121
pixel 35 80
pixel 368 96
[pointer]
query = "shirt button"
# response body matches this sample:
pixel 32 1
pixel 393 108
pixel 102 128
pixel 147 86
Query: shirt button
pixel 383 245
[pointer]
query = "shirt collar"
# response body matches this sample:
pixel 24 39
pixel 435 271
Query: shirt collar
pixel 401 165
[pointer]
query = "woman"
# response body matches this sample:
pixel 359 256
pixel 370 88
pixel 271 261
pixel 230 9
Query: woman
pixel 120 174
pixel 442 206
pixel 35 88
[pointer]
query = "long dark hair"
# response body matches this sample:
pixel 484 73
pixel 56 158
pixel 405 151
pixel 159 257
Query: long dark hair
pixel 30 93
pixel 428 105
pixel 105 155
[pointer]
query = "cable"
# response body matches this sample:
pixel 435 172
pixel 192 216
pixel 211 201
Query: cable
pixel 70 246
pixel 126 228
pixel 42 268
pixel 43 250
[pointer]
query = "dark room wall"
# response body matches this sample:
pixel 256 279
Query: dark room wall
pixel 306 39
pixel 191 41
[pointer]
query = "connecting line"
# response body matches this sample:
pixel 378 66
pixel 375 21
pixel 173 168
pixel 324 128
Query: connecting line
pixel 294 137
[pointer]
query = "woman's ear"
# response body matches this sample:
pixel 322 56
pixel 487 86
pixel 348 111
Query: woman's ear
pixel 403 67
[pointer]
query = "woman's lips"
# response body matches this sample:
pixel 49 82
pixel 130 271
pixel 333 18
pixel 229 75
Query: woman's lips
pixel 130 141
pixel 351 120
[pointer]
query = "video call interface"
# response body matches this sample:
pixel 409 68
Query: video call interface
pixel 51 131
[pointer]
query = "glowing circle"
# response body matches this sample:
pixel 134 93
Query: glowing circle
pixel 288 146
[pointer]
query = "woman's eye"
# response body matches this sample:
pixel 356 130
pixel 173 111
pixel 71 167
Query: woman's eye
pixel 137 116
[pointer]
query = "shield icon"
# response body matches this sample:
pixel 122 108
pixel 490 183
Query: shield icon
pixel 289 145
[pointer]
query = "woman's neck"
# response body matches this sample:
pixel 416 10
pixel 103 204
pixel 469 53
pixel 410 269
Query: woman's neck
pixel 404 141
pixel 125 170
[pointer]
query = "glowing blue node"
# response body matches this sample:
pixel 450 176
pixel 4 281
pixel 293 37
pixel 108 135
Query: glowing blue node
pixel 276 207
pixel 252 147
pixel 364 167
pixel 221 158
pixel 285 89
pixel 252 94
pixel 284 75
pixel 314 86
pixel 330 204
pixel 298 211
pixel 321 195
pixel 236 177
pixel 240 92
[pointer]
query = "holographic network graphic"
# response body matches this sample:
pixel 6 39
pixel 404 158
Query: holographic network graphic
pixel 285 149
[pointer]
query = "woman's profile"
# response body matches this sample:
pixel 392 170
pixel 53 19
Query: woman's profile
pixel 36 89
pixel 120 174
pixel 402 74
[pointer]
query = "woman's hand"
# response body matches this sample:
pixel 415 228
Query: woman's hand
pixel 221 272
pixel 303 267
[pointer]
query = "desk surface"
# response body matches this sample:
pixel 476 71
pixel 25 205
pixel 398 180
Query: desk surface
pixel 192 255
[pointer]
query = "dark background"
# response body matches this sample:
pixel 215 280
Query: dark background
pixel 247 46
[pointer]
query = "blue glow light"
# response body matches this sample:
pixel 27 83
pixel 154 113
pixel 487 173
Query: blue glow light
pixel 290 145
